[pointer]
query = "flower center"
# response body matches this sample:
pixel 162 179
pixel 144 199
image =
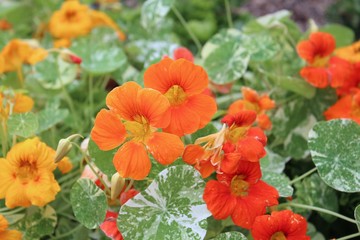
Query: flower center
pixel 70 15
pixel 278 236
pixel 252 106
pixel 236 133
pixel 27 170
pixel 320 61
pixel 139 129
pixel 176 95
pixel 239 186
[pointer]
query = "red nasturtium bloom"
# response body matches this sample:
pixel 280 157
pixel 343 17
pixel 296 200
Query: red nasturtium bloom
pixel 109 226
pixel 323 69
pixel 183 84
pixel 252 101
pixel 282 225
pixel 241 195
pixel 135 114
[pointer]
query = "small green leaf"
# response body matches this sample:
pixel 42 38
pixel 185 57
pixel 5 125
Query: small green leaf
pixel 279 181
pixel 23 124
pixel 89 203
pixel 103 159
pixel 227 63
pixel 100 51
pixel 296 85
pixel 50 116
pixel 230 236
pixel 153 13
pixel 335 150
pixel 38 222
pixel 170 208
pixel 273 162
pixel 313 191
pixel 342 34
pixel 357 216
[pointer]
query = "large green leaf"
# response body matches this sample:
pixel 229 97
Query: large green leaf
pixel 153 13
pixel 89 203
pixel 227 63
pixel 335 150
pixel 170 208
pixel 278 181
pixel 357 216
pixel 103 159
pixel 23 124
pixel 230 236
pixel 273 162
pixel 313 191
pixel 100 51
pixel 261 46
pixel 342 34
pixel 38 222
pixel 51 115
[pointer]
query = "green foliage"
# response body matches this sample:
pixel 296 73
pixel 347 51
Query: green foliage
pixel 279 181
pixel 51 115
pixel 343 35
pixel 230 236
pixel 153 13
pixel 23 124
pixel 102 159
pixel 89 203
pixel 357 216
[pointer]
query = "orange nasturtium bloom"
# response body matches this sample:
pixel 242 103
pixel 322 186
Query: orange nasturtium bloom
pixel 135 114
pixel 350 53
pixel 252 101
pixel 241 195
pixel 282 225
pixel 8 234
pixel 18 52
pixel 182 83
pixel 14 103
pixel 26 174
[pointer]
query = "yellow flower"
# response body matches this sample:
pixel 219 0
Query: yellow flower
pixel 8 234
pixel 65 165
pixel 350 53
pixel 14 103
pixel 18 52
pixel 72 20
pixel 26 175
pixel 101 19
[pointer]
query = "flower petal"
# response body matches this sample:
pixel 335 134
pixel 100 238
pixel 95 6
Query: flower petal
pixel 205 106
pixel 316 76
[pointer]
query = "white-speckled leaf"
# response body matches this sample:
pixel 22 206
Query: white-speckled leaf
pixel 227 63
pixel 153 13
pixel 273 162
pixel 23 124
pixel 278 181
pixel 357 216
pixel 170 208
pixel 88 202
pixel 335 150
pixel 38 222
pixel 230 236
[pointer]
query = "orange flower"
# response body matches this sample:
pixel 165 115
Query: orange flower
pixel 8 234
pixel 26 175
pixel 135 114
pixel 65 165
pixel 252 101
pixel 101 19
pixel 346 107
pixel 5 25
pixel 182 83
pixel 280 225
pixel 350 53
pixel 241 195
pixel 14 103
pixel 18 52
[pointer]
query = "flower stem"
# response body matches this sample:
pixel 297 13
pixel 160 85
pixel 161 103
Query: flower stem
pixel 298 205
pixel 349 236
pixel 228 14
pixel 184 23
pixel 303 176
pixel 3 135
pixel 91 95
pixel 130 185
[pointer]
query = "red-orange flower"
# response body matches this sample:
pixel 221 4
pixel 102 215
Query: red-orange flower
pixel 109 226
pixel 135 114
pixel 183 52
pixel 323 69
pixel 182 83
pixel 241 195
pixel 283 225
pixel 252 101
pixel 346 107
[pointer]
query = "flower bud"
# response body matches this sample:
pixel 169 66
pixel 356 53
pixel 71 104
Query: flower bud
pixel 117 184
pixel 64 147
pixel 70 57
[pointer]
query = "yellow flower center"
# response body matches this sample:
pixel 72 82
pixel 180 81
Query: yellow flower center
pixel 238 186
pixel 320 61
pixel 235 134
pixel 27 171
pixel 176 95
pixel 139 129
pixel 278 236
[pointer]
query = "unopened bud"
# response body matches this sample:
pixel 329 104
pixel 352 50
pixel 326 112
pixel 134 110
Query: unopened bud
pixel 70 57
pixel 117 184
pixel 64 147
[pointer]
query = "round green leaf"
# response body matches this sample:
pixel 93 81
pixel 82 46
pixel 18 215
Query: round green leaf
pixel 153 13
pixel 170 208
pixel 335 150
pixel 278 181
pixel 89 203
pixel 227 63
pixel 261 46
pixel 103 159
pixel 230 236
pixel 23 124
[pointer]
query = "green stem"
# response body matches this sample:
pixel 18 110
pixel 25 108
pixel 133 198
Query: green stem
pixel 228 14
pixel 349 236
pixel 91 95
pixel 130 185
pixel 184 23
pixel 11 212
pixel 3 136
pixel 303 176
pixel 298 205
